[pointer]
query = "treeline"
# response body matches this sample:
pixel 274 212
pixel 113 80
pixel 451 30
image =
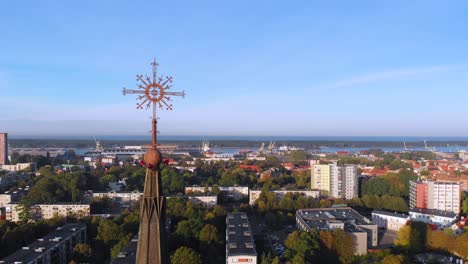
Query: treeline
pixel 394 184
pixel 173 182
pixel 419 237
pixel 111 235
pixel 291 202
pixel 389 160
pixel 319 247
pixel 65 187
pixel 196 232
pixel 67 157
pixel 387 202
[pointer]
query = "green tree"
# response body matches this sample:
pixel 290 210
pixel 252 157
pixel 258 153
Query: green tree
pixel 185 255
pixel 299 155
pixel 82 253
pixel 465 205
pixel 402 238
pixel 302 247
pixel 108 231
pixel 209 234
pixel 393 259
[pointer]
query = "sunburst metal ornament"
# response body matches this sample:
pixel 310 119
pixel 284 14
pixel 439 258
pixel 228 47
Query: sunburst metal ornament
pixel 154 92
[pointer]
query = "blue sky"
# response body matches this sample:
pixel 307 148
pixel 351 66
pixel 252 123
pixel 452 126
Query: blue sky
pixel 300 68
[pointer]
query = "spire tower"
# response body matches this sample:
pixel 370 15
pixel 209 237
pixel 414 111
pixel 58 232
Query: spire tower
pixel 152 246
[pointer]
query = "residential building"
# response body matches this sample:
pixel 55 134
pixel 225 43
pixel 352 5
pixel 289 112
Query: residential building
pixel 240 246
pixel 120 196
pixel 8 180
pixel 56 247
pixel 349 185
pixel 363 231
pixel 13 196
pixel 29 166
pixel 232 192
pixel 334 180
pixel 3 148
pixel 206 200
pixel 388 220
pixel 47 211
pixel 269 174
pixel 442 219
pixel 321 178
pixel 254 194
pixel 442 196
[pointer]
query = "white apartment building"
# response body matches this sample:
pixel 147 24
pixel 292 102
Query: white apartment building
pixel 234 192
pixel 388 220
pixel 442 196
pixel 446 196
pixel 208 201
pixel 442 219
pixel 122 196
pixel 240 245
pixel 19 167
pixel 47 211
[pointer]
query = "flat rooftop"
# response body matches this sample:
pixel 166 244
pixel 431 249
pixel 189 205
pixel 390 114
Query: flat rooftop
pixel 320 218
pixel 393 214
pixel 42 245
pixel 239 235
pixel 434 212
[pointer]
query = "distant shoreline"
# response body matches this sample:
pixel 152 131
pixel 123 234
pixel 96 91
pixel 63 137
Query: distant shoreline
pixel 311 143
pixel 248 138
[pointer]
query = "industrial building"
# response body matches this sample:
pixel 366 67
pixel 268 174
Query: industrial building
pixel 56 247
pixel 240 246
pixel 363 231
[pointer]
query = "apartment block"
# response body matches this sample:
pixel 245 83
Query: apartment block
pixel 205 200
pixel 231 192
pixel 321 178
pixel 442 196
pixel 56 247
pixel 28 166
pixel 3 148
pixel 47 211
pixel 120 196
pixel 334 180
pixel 240 246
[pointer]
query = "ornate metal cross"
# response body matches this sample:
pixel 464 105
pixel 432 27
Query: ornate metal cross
pixel 154 93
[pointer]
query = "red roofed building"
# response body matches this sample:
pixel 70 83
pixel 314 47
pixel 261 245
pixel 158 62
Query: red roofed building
pixel 249 167
pixel 288 165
